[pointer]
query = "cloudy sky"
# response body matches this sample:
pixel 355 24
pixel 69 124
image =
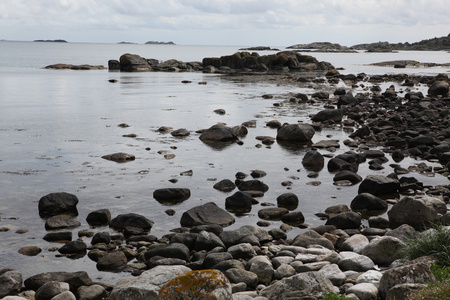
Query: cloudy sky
pixel 225 22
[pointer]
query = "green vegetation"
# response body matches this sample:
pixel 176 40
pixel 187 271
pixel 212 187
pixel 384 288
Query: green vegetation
pixel 434 242
pixel 435 291
pixel 434 44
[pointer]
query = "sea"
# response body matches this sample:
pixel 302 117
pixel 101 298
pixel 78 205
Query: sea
pixel 55 126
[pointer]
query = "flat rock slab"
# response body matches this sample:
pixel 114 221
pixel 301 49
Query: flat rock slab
pixel 206 214
pixel 119 157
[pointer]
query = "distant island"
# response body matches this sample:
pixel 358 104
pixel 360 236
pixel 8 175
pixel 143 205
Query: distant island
pixel 51 41
pixel 434 44
pixel 127 43
pixel 159 43
pixel 260 48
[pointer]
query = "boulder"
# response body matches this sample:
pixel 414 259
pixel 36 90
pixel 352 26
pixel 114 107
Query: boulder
pixel 328 115
pixel 403 232
pixel 173 250
pixel 237 275
pixel 355 243
pixel 313 161
pixel 214 258
pixel 30 250
pixel 366 201
pixel 383 250
pixel 68 295
pixel 345 220
pixel 119 157
pixel 113 65
pixel 371 276
pixel 51 289
pixel 92 292
pixel 133 63
pixel 147 285
pixel 333 273
pixel 347 175
pixel 180 132
pixel 225 185
pixel 100 217
pixel 112 261
pixel 206 214
pixel 272 213
pixel 364 291
pixel 352 261
pixel 403 291
pixel 218 133
pixel 309 284
pixel 207 241
pixel 262 267
pixel 73 248
pixel 439 88
pixel 311 237
pixel 239 202
pixel 171 196
pixel 284 271
pixel 295 218
pixel 75 280
pixel 253 185
pixel 300 133
pixel 59 236
pixel 58 203
pixel 245 234
pixel 379 185
pixel 58 222
pixel 243 250
pixel 202 284
pixel 413 212
pixel 288 200
pixel 415 272
pixel 131 220
pixel 10 283
pixel 101 237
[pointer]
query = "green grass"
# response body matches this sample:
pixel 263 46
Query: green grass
pixel 434 242
pixel 435 291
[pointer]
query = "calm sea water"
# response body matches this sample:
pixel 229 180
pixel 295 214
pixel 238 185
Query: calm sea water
pixel 56 124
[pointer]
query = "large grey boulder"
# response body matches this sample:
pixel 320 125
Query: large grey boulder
pixel 334 274
pixel 206 214
pixel 383 250
pixel 131 220
pixel 10 283
pixel 379 185
pixel 413 212
pixel 51 289
pixel 262 267
pixel 219 133
pixel 147 285
pixel 133 63
pixel 367 201
pixel 345 220
pixel 58 203
pixel 295 133
pixel 237 275
pixel 364 291
pixel 75 280
pixel 309 284
pixel 355 262
pixel 355 243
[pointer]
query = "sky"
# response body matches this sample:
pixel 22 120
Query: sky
pixel 225 22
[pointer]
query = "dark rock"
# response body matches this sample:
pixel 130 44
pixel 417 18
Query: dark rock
pixel 379 185
pixel 293 218
pixel 253 185
pixel 288 200
pixel 313 161
pixel 218 133
pixel 413 212
pixel 236 275
pixel 61 236
pixel 229 264
pixel 272 213
pixel 213 259
pixel 58 222
pixel 113 65
pixel 58 203
pixel 133 63
pixel 347 175
pixel 239 202
pixel 75 280
pixel 119 157
pixel 206 214
pixel 336 164
pixel 366 201
pixel 112 261
pixel 379 222
pixel 311 237
pixel 186 238
pixel 333 115
pixel 100 217
pixel 273 124
pixel 173 250
pixel 131 220
pixel 214 228
pixel 225 185
pixel 321 95
pixel 51 289
pixel 171 196
pixel 93 292
pixel 73 247
pixel 101 237
pixel 439 88
pixel 30 250
pixel 245 234
pixel 207 241
pixel 347 99
pixel 346 220
pixel 361 132
pixel 180 132
pixel 295 133
pixel 258 174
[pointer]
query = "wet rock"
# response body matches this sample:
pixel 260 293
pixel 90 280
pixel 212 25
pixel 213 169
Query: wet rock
pixel 100 217
pixel 258 173
pixel 347 175
pixel 346 220
pixel 313 161
pixel 73 248
pixel 439 88
pixel 379 185
pixel 147 285
pixel 225 185
pixel 310 284
pixel 330 115
pixel 112 261
pixel 347 99
pixel 414 272
pixel 205 284
pixel 10 282
pixel 58 203
pixel 362 132
pixel 383 250
pixel 273 124
pixel 51 289
pixel 253 185
pixel 61 236
pixel 311 237
pixel 171 196
pixel 288 201
pixel 133 63
pixel 58 222
pixel 293 218
pixel 75 279
pixel 180 132
pixel 220 111
pixel 92 292
pixel 131 220
pixel 272 213
pixel 366 201
pixel 206 214
pixel 295 133
pixel 218 133
pixel 239 202
pixel 119 157
pixel 413 212
pixel 30 250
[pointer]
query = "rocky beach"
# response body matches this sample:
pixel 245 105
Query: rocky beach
pixel 394 127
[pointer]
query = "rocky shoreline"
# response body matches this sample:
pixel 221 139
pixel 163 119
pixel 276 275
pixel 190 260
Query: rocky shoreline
pixel 342 256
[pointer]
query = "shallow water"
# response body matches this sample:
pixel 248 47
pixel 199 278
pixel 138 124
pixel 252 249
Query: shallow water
pixel 56 124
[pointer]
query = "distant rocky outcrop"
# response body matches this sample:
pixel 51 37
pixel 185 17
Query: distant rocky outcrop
pixel 74 67
pixel 159 43
pixel 434 44
pixel 51 41
pixel 321 47
pixel 375 47
pixel 259 48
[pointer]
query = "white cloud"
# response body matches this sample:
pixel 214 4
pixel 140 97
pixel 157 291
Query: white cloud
pixel 344 21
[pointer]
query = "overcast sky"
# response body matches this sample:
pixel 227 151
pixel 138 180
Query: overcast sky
pixel 225 22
